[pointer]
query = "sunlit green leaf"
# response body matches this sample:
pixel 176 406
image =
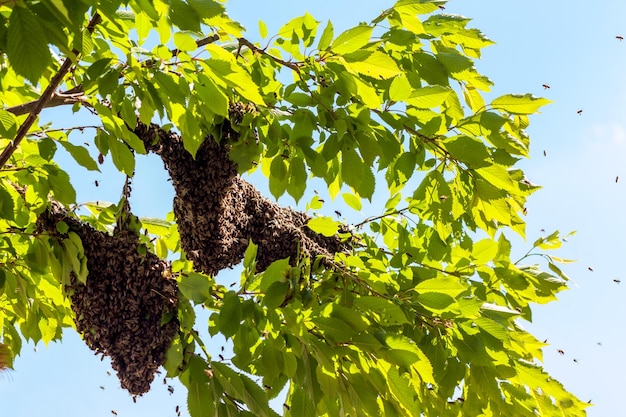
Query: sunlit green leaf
pixel 519 104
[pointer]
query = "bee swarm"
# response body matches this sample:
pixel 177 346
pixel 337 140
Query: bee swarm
pixel 5 357
pixel 120 308
pixel 218 212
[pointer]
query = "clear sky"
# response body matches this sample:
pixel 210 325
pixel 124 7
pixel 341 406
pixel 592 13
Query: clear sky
pixel 569 45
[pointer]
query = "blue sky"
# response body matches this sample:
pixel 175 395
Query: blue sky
pixel 570 46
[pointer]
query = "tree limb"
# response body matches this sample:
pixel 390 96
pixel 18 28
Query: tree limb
pixel 76 94
pixel 292 65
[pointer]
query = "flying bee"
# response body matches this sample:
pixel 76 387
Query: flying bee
pixel 617 281
pixel 580 112
pixel 338 213
pixel 545 86
pixel 561 352
pixel 170 389
pixel 619 38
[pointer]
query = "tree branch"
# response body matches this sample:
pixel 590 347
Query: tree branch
pixel 292 65
pixel 45 98
pixel 76 94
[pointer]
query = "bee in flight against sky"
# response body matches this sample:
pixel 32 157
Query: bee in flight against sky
pixel 580 111
pixel 545 86
pixel 619 38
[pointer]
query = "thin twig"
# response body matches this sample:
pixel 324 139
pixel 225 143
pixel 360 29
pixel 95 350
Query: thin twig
pixel 46 96
pixel 382 216
pixel 200 43
pixel 292 65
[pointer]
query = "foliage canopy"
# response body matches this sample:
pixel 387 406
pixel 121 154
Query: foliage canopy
pixel 420 315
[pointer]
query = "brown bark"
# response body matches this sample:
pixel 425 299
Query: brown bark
pixel 218 212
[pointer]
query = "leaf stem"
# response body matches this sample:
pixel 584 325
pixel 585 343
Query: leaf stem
pixel 292 65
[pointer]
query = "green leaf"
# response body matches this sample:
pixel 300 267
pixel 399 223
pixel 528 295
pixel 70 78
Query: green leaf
pixel 324 225
pixel 352 39
pixel 207 8
pixel 80 155
pixel 372 64
pixel 262 29
pixel 400 89
pixel 184 16
pixel 7 205
pixel 200 401
pixel 297 178
pixel 470 150
pixel 27 45
pixel 352 200
pixel 388 312
pixel 230 314
pixel 300 405
pixel 123 158
pixel 60 184
pixel 8 124
pixel 213 96
pixel 357 174
pixel 184 42
pixel 326 38
pixel 429 97
pixel 195 287
pixel 278 177
pixel 444 285
pixel 519 104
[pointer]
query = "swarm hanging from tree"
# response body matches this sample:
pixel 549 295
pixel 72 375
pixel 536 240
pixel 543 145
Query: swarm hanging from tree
pixel 423 311
pixel 218 212
pixel 123 304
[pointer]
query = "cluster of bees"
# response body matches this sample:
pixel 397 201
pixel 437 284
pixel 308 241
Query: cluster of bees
pixel 218 212
pixel 5 357
pixel 127 295
pixel 128 292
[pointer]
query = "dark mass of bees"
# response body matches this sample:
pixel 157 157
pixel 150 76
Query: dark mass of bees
pixel 5 357
pixel 218 212
pixel 120 309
